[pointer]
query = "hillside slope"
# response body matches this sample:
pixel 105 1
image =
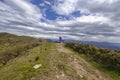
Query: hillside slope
pixel 26 58
pixel 104 59
pixel 12 46
pixel 56 63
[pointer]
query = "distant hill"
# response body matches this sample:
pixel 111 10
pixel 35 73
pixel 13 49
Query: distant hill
pixel 113 46
pixel 107 45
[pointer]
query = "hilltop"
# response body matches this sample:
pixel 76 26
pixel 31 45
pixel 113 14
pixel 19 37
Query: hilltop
pixel 12 46
pixel 27 58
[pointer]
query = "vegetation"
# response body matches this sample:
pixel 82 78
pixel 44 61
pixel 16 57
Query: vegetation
pixel 27 58
pixel 12 46
pixel 22 67
pixel 109 59
pixel 19 56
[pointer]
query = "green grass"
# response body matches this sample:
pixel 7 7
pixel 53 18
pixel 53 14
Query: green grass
pixel 21 68
pixel 12 46
pixel 114 74
pixel 53 63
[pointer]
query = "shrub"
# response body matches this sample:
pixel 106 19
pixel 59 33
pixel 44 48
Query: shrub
pixel 108 58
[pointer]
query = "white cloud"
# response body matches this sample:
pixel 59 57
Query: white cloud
pixel 47 2
pixel 105 1
pixel 100 24
pixel 84 19
pixel 4 7
pixel 23 8
pixel 29 28
pixel 92 19
pixel 65 7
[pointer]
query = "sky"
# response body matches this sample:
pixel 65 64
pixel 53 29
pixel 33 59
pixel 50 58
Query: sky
pixel 86 20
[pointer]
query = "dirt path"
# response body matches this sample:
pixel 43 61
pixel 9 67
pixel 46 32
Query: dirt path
pixel 85 70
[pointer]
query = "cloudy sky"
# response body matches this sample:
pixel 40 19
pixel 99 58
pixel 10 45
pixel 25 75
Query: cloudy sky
pixel 93 20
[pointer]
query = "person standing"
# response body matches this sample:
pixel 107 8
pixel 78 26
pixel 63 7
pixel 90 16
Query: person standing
pixel 60 39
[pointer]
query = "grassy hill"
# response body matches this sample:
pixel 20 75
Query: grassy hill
pixel 27 58
pixel 12 46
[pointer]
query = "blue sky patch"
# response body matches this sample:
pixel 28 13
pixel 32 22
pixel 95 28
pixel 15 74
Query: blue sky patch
pixel 76 14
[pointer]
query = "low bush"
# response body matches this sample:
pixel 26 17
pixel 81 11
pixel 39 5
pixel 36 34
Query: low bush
pixel 108 58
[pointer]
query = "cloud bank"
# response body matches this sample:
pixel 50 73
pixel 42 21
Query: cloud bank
pixel 97 20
